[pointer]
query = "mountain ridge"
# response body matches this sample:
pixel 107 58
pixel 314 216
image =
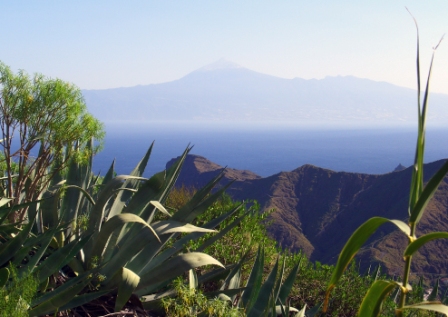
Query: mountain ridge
pixel 314 206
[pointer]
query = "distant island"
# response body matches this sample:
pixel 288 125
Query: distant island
pixel 225 91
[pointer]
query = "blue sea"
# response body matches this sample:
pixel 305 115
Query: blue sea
pixel 267 150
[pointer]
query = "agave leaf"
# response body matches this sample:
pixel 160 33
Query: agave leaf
pixel 235 282
pixel 72 196
pixel 254 281
pixel 11 247
pixel 142 262
pixel 9 229
pixel 34 260
pixel 4 201
pixel 373 300
pixel 434 293
pixel 432 306
pixel 125 253
pixel 289 282
pixel 5 211
pixel 234 277
pixel 110 173
pixel 427 194
pixel 192 279
pixel 60 257
pixel 31 242
pixel 157 189
pixel 111 228
pixel 183 214
pixel 60 296
pixel 172 226
pixel 264 295
pixel 138 204
pixel 418 243
pixel 127 281
pixel 302 312
pixel 279 281
pixel 50 211
pixel 153 297
pixel 83 299
pixel 144 259
pixel 358 238
pixel 165 227
pixel 175 267
pixel 179 244
pixel 84 192
pixel 124 196
pixel 280 310
pixel 224 298
pixel 96 215
pixel 313 312
pixel 160 207
pixel 173 172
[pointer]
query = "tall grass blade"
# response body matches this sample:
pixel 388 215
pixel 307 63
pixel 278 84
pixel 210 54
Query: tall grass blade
pixel 372 302
pixel 435 307
pixel 355 242
pixel 429 191
pixel 418 243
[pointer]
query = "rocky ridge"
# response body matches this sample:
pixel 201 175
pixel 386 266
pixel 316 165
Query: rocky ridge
pixel 316 210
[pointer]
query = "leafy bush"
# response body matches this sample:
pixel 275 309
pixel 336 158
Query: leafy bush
pixel 16 292
pixel 192 302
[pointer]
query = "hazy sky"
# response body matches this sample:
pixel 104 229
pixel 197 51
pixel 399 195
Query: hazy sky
pixel 106 44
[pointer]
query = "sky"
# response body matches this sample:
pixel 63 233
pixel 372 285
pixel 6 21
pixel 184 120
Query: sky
pixel 106 44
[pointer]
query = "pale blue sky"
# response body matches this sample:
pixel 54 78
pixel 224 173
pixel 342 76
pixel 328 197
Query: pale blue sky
pixel 106 44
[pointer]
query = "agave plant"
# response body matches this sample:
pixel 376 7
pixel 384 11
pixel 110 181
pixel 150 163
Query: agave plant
pixel 89 237
pixel 258 298
pixel 420 195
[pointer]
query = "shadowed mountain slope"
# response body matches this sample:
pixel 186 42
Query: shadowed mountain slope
pixel 316 210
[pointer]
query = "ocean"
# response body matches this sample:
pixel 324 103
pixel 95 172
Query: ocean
pixel 267 150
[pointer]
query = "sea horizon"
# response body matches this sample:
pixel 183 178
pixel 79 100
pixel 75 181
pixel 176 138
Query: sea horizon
pixel 268 149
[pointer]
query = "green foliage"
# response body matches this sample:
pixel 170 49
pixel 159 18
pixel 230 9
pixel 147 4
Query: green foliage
pixel 17 293
pixel 45 114
pixel 192 302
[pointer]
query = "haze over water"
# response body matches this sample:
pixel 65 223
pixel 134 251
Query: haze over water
pixel 267 151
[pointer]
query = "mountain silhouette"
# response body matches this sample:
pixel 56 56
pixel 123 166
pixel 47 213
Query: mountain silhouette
pixel 225 91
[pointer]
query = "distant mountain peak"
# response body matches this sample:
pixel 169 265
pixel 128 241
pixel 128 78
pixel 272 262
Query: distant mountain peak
pixel 219 64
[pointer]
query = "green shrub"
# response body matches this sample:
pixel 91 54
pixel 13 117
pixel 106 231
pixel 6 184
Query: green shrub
pixel 192 302
pixel 17 293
